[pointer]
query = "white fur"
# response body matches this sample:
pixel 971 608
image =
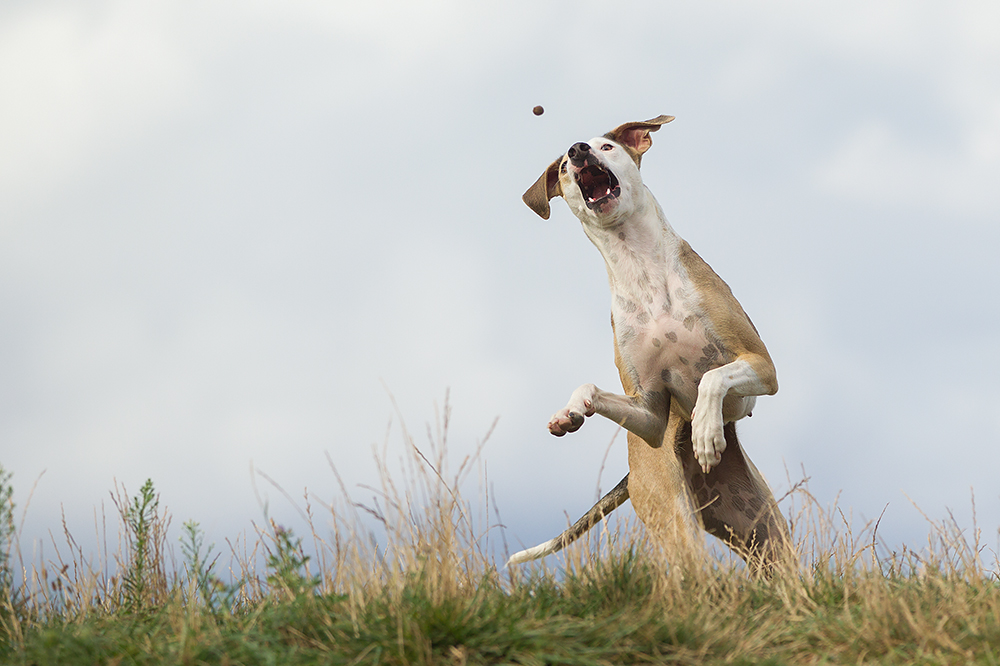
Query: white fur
pixel 740 384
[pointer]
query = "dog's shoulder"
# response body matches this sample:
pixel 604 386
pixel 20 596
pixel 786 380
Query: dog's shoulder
pixel 725 312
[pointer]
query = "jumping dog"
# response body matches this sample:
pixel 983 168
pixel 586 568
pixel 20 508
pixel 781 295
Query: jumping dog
pixel 690 360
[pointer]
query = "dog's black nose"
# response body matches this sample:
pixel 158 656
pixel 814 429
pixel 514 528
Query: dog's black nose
pixel 578 153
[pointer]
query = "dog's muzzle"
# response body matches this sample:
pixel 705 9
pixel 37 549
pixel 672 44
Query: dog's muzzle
pixel 597 184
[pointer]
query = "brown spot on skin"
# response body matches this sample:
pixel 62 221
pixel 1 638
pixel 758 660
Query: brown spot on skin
pixel 682 360
pixel 656 343
pixel 755 504
pixel 673 338
pixel 708 361
pixel 642 317
pixel 621 235
pixel 689 322
pixel 626 305
pixel 739 502
pixel 665 375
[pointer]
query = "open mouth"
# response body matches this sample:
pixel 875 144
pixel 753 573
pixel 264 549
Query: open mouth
pixel 597 184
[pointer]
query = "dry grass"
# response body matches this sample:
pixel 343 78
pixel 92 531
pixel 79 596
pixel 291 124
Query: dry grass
pixel 411 578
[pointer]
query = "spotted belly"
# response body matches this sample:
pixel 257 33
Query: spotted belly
pixel 671 355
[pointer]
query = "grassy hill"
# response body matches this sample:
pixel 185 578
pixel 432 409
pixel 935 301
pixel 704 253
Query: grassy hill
pixel 426 591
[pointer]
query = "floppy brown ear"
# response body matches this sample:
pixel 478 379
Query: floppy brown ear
pixel 547 186
pixel 635 136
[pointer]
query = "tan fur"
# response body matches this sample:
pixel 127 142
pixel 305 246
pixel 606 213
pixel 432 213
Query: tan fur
pixel 731 323
pixel 545 188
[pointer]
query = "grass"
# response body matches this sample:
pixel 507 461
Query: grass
pixel 422 588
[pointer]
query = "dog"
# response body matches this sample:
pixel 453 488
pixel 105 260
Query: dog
pixel 690 360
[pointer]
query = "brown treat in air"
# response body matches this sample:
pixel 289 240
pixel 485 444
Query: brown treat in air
pixel 538 110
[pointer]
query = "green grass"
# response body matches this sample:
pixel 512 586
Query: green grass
pixel 428 592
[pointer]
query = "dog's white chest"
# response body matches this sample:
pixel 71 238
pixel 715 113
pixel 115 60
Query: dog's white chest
pixel 660 326
pixel 663 341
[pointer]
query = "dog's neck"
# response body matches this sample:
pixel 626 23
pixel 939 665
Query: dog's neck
pixel 641 253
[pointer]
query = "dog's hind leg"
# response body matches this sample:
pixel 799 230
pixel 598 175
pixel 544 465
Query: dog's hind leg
pixel 735 503
pixel 661 498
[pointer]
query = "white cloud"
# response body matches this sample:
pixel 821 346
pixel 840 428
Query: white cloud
pixel 938 144
pixel 73 83
pixel 875 165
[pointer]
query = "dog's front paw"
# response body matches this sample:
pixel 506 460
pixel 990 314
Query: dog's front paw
pixel 564 421
pixel 570 417
pixel 708 439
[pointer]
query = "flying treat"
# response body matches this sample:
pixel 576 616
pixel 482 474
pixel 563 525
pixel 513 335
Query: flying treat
pixel 538 110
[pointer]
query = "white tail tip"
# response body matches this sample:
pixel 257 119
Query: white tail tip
pixel 541 550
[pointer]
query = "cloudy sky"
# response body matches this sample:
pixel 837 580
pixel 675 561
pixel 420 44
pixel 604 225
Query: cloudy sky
pixel 231 233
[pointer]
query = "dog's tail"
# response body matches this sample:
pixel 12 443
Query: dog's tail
pixel 614 499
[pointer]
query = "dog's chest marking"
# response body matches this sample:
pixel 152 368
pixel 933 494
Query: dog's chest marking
pixel 659 324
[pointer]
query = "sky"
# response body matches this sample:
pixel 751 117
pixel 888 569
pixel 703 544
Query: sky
pixel 244 237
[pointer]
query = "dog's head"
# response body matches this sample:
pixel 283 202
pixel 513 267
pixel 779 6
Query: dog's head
pixel 599 177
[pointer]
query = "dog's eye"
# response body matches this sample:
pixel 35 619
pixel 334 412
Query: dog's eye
pixel 562 167
pixel 607 146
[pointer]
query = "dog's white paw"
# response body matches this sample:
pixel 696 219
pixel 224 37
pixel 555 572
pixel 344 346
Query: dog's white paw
pixel 570 417
pixel 708 439
pixel 564 421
